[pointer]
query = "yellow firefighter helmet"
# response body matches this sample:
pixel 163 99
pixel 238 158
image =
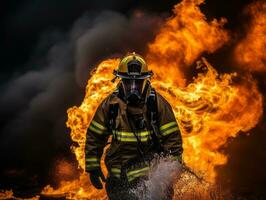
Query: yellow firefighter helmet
pixel 133 66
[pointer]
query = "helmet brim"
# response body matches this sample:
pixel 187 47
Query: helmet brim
pixel 132 76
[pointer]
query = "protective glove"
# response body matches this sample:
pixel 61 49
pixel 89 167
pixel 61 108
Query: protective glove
pixel 95 176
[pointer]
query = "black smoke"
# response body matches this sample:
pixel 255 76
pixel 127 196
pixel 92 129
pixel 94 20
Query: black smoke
pixel 35 99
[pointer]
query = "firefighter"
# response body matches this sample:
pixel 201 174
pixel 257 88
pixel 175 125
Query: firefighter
pixel 141 123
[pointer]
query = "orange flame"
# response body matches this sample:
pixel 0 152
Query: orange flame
pixel 182 39
pixel 215 110
pixel 209 110
pixel 250 52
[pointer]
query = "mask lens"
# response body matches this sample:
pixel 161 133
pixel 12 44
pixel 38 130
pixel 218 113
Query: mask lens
pixel 133 85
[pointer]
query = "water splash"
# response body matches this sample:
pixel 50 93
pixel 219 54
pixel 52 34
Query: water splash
pixel 168 180
pixel 159 184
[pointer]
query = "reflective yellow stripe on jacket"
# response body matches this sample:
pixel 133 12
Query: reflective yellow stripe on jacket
pixel 130 137
pixel 92 163
pixel 97 127
pixel 131 175
pixel 116 172
pixel 169 128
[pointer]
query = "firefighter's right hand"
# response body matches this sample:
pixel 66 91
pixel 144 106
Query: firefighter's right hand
pixel 95 177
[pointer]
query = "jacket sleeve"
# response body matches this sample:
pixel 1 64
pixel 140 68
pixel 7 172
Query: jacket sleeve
pixel 170 134
pixel 96 138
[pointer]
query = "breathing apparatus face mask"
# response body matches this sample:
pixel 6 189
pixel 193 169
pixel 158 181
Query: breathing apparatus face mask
pixel 134 82
pixel 133 90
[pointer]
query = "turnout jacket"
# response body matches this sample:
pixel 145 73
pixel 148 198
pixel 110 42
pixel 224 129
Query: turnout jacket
pixel 124 147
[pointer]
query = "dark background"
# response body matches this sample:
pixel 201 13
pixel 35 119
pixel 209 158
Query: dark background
pixel 47 50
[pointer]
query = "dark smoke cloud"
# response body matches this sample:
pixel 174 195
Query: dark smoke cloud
pixel 33 104
pixel 111 33
pixel 244 174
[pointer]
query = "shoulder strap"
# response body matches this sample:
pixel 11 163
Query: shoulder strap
pixel 152 106
pixel 152 109
pixel 112 114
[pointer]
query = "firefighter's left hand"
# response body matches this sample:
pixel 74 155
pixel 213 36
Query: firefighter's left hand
pixel 95 176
